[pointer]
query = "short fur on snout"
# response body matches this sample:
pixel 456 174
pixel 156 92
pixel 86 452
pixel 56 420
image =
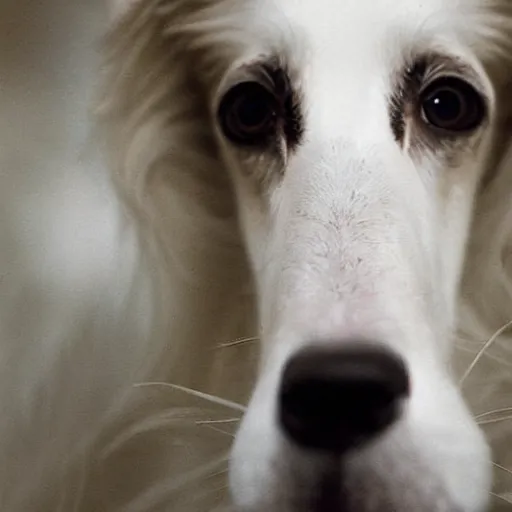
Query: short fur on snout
pixel 352 218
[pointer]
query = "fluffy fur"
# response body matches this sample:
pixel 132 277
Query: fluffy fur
pixel 178 289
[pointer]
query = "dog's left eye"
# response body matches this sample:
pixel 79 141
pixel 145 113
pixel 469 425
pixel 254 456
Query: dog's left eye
pixel 452 104
pixel 248 114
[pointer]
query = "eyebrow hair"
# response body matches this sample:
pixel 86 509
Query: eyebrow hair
pixel 437 63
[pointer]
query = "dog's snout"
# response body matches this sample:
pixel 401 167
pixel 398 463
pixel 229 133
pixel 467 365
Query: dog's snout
pixel 336 399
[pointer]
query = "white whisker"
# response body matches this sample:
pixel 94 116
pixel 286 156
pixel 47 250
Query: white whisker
pixel 220 431
pixel 503 468
pixel 220 472
pixel 237 342
pixel 153 423
pixel 463 345
pixel 494 420
pixel 492 413
pixel 483 350
pixel 199 394
pixel 217 422
pixel 500 497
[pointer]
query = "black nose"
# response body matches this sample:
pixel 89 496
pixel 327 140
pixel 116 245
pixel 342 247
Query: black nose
pixel 336 399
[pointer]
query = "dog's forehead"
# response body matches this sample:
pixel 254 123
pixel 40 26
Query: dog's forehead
pixel 367 31
pixel 377 9
pixel 360 19
pixel 365 19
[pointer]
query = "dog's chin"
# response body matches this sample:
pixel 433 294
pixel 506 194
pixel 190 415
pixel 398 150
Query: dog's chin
pixel 338 490
pixel 391 474
pixel 340 487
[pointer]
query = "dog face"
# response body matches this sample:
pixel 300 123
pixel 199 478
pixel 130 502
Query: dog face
pixel 355 135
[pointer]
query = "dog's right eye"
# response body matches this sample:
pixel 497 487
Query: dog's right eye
pixel 248 114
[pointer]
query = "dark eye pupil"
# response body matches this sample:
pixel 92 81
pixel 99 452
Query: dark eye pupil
pixel 253 110
pixel 452 104
pixel 446 105
pixel 248 113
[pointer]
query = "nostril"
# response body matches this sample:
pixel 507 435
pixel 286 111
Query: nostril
pixel 335 399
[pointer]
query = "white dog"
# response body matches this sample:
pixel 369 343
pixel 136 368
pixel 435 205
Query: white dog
pixel 346 148
pixel 332 178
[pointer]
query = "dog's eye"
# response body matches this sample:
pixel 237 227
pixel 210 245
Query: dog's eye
pixel 248 114
pixel 451 104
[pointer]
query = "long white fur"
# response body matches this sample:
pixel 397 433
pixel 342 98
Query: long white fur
pixel 100 295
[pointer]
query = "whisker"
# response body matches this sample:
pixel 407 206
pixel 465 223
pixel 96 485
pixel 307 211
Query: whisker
pixel 220 431
pixel 217 422
pixel 494 420
pixel 495 495
pixel 220 472
pixel 237 342
pixel 464 346
pixel 162 420
pixel 491 413
pixel 198 394
pixel 482 351
pixel 503 468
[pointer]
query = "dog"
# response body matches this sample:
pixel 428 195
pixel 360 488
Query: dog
pixel 333 167
pixel 314 200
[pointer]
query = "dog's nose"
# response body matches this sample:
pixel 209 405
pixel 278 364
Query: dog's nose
pixel 336 399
